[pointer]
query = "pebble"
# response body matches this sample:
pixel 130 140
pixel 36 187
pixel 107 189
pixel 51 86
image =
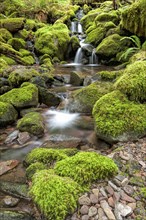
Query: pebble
pixel 93 198
pixel 92 211
pixel 84 210
pixel 122 209
pixel 125 197
pixel 84 200
pixel 106 208
pixel 23 137
pixel 10 201
pixel 95 192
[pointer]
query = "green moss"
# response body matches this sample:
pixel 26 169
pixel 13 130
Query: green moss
pixel 133 18
pixel 133 81
pixel 24 52
pixel 18 76
pixel 143 192
pixel 8 60
pixel 109 75
pixel 55 196
pixel 110 46
pixel 33 168
pixel 17 43
pixel 29 24
pixel 88 19
pixel 86 167
pixel 32 123
pixel 82 100
pixel 45 156
pixel 116 118
pixel 5 34
pixel 108 16
pixel 26 96
pixel 144 46
pixel 7 114
pixel 28 60
pixel 53 40
pixel 47 63
pixel 12 24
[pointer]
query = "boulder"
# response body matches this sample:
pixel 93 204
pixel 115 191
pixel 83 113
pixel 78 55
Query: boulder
pixel 25 96
pixel 133 82
pixel 5 34
pixel 76 78
pixel 118 119
pixel 48 98
pixel 8 114
pixel 133 18
pixel 17 43
pixel 12 24
pixel 33 123
pixel 82 100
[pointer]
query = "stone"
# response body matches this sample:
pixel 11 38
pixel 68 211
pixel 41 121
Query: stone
pixel 123 209
pixel 85 217
pixel 124 182
pixel 109 190
pixel 11 137
pixel 76 78
pixel 93 198
pixel 132 205
pixel 111 202
pixel 107 210
pixel 92 211
pixel 129 190
pixel 96 192
pixel 84 209
pixel 125 197
pixel 5 166
pixel 117 182
pixel 117 196
pixel 100 214
pixel 17 215
pixel 10 201
pixel 113 186
pixel 103 192
pixel 84 200
pixel 23 137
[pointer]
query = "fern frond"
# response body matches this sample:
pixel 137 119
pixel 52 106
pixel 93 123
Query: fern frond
pixel 128 53
pixel 134 39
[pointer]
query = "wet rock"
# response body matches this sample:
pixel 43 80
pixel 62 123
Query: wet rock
pixel 92 211
pixel 84 210
pixel 13 215
pixel 107 210
pixel 122 209
pixel 11 137
pixel 23 137
pixel 76 78
pixel 10 201
pixel 84 200
pixel 48 98
pixel 15 189
pixel 7 165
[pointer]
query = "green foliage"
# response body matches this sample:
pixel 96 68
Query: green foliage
pixel 115 115
pixel 55 196
pixel 109 75
pixel 46 156
pixel 33 168
pixel 86 167
pixel 133 81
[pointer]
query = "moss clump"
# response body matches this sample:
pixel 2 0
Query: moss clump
pixel 133 81
pixel 108 16
pixel 32 123
pixel 53 40
pixel 118 119
pixel 133 18
pixel 110 46
pixel 26 96
pixel 17 43
pixel 7 114
pixel 5 34
pixel 33 168
pixel 12 24
pixel 18 76
pixel 82 100
pixel 8 60
pixel 86 167
pixel 109 75
pixel 45 156
pixel 28 60
pixel 55 196
pixel 139 56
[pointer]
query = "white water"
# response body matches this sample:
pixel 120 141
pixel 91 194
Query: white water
pixel 79 56
pixel 61 119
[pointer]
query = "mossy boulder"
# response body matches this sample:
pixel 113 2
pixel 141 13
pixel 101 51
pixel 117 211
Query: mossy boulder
pixel 82 100
pixel 108 16
pixel 33 168
pixel 45 156
pixel 8 60
pixel 53 40
pixel 12 24
pixel 25 96
pixel 139 56
pixel 33 123
pixel 110 46
pixel 18 76
pixel 133 81
pixel 5 34
pixel 118 119
pixel 3 65
pixel 59 197
pixel 17 43
pixel 134 18
pixel 108 75
pixel 88 19
pixel 8 114
pixel 86 167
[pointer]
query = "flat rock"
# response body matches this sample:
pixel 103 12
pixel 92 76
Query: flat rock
pixel 125 197
pixel 123 209
pixel 10 201
pixel 84 210
pixel 92 211
pixel 11 137
pixel 107 210
pixel 23 137
pixel 84 200
pixel 13 215
pixel 5 166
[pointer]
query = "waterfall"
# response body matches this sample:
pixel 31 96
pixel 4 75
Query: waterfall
pixel 73 27
pixel 80 29
pixel 78 56
pixel 93 59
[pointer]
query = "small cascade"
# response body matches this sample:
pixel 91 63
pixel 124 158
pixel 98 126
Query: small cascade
pixel 73 27
pixel 78 56
pixel 80 29
pixel 93 59
pixel 30 47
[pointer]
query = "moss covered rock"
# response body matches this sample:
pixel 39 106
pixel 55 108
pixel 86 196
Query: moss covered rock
pixel 139 56
pixel 59 196
pixel 5 34
pixel 110 46
pixel 8 114
pixel 134 18
pixel 12 24
pixel 33 168
pixel 23 97
pixel 18 76
pixel 108 16
pixel 86 167
pixel 32 123
pixel 53 40
pixel 45 156
pixel 17 43
pixel 133 81
pixel 82 100
pixel 118 119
